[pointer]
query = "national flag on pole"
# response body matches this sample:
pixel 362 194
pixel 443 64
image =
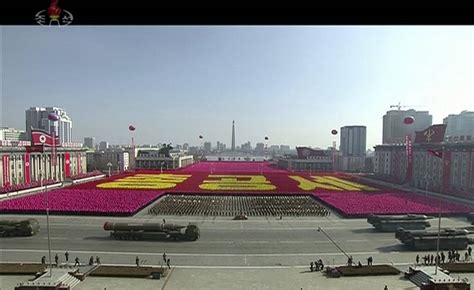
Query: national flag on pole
pixel 43 138
pixel 436 153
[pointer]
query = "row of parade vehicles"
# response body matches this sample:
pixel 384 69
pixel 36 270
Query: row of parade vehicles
pixel 411 231
pixel 119 231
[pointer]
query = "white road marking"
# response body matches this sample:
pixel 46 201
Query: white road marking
pixel 193 254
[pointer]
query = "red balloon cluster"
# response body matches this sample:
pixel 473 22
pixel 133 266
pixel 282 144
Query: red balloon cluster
pixel 409 120
pixel 53 117
pixel 334 132
pixel 131 128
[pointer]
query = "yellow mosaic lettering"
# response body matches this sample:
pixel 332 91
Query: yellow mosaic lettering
pixel 146 181
pixel 237 182
pixel 329 183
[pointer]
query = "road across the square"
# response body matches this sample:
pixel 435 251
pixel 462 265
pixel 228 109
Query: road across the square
pixel 258 242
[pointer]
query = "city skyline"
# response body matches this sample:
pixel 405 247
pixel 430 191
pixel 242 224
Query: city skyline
pixel 292 84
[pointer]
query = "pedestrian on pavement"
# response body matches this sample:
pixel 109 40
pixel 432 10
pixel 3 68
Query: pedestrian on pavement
pixel 469 250
pixel 359 265
pixel 442 257
pixel 137 261
pixel 321 264
pixel 349 261
pixel 43 260
pixel 77 263
pixel 67 256
pixel 91 261
pixel 385 288
pixel 369 261
pixel 417 259
pixel 164 221
pixel 56 259
pixel 311 265
pixel 466 256
pixel 431 259
pixel 168 263
pixel 164 257
pixel 97 260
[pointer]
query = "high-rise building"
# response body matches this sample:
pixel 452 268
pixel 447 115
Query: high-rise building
pixel 89 142
pixel 395 130
pixel 185 146
pixel 460 127
pixel 103 145
pixel 218 147
pixel 207 146
pixel 37 118
pixel 353 141
pixel 11 134
pixel 260 147
pixel 233 136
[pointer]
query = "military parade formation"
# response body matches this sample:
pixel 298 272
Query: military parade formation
pixel 211 205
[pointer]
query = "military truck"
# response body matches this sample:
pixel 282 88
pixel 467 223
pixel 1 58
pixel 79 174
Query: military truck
pixel 424 240
pixel 19 228
pixel 152 231
pixel 390 223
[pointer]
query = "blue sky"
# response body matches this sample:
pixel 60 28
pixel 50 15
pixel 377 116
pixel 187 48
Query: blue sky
pixel 293 84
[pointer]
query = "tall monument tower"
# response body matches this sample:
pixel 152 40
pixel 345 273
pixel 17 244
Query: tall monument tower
pixel 233 135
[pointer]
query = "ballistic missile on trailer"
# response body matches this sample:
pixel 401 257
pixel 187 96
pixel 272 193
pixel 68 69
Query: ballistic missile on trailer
pixel 424 240
pixel 390 223
pixel 152 231
pixel 19 228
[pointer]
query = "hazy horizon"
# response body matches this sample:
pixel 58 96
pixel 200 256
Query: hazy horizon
pixel 293 84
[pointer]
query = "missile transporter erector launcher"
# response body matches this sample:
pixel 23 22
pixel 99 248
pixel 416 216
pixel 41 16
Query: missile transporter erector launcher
pixel 152 231
pixel 423 240
pixel 390 223
pixel 19 228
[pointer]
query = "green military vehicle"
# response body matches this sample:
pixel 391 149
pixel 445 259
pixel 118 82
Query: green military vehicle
pixel 390 223
pixel 423 240
pixel 19 228
pixel 152 231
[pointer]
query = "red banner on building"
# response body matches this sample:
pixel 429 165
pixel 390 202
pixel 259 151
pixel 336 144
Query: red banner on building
pixel 6 170
pixel 67 165
pixel 446 170
pixel 409 157
pixel 27 168
pixel 40 137
pixel 36 148
pixel 432 134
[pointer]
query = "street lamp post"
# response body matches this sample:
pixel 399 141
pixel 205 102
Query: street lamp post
pixel 329 238
pixel 109 165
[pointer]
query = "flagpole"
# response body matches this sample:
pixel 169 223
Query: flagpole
pixel 439 214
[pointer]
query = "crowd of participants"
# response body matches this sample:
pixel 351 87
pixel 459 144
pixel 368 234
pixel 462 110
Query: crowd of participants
pixel 452 256
pixel 23 186
pixel 236 205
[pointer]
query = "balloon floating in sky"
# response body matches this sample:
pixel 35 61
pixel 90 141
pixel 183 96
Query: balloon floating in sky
pixel 200 137
pixel 266 138
pixel 53 117
pixel 334 132
pixel 409 120
pixel 131 128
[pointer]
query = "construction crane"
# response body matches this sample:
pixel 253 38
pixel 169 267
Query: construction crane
pixel 399 106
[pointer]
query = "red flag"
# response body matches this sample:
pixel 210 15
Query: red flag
pixel 40 137
pixel 67 165
pixel 436 153
pixel 27 168
pixel 432 134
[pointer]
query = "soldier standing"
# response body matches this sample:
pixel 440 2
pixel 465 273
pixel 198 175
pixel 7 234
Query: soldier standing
pixel 442 257
pixel 168 263
pixel 91 261
pixel 137 261
pixel 67 256
pixel 43 260
pixel 311 265
pixel 97 260
pixel 164 257
pixel 369 261
pixel 469 250
pixel 56 259
pixel 417 259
